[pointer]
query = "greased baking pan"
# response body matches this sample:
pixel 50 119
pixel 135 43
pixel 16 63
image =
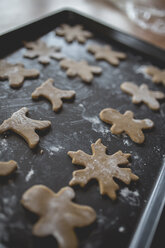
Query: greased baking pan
pixel 131 220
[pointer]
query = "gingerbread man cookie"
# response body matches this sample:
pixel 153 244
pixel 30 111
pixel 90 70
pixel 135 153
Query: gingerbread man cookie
pixel 158 75
pixel 7 168
pixel 53 94
pixel 58 215
pixel 143 94
pixel 106 53
pixel 16 73
pixel 102 167
pixel 80 68
pixel 24 126
pixel 73 33
pixel 42 51
pixel 125 123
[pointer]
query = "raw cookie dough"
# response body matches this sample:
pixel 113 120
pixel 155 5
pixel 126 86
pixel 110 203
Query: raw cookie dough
pixel 106 53
pixel 42 51
pixel 73 33
pixel 158 75
pixel 53 94
pixel 125 123
pixel 16 73
pixel 102 167
pixel 7 168
pixel 143 94
pixel 24 126
pixel 58 215
pixel 80 68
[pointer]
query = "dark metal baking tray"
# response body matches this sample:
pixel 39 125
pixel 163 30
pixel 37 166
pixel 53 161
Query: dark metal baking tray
pixel 131 220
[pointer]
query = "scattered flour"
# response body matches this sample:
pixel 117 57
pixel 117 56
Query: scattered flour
pixel 136 156
pixel 8 206
pixel 29 175
pixel 156 149
pixel 132 197
pixel 142 69
pixel 126 142
pixel 3 145
pixel 54 149
pixel 121 229
pixel 97 124
pixel 101 219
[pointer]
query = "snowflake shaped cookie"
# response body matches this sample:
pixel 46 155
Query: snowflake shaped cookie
pixel 106 53
pixel 42 51
pixel 80 68
pixel 102 167
pixel 73 33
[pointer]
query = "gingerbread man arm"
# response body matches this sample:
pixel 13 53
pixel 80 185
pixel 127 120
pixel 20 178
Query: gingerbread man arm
pixel 6 125
pixel 158 94
pixel 7 168
pixel 110 115
pixel 39 192
pixel 16 79
pixel 129 88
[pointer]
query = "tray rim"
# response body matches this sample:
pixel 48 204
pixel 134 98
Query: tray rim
pixel 124 38
pixel 141 237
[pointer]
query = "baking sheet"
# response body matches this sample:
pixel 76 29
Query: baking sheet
pixel 75 127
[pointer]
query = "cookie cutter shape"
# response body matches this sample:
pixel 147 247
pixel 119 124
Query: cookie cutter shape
pixel 42 51
pixel 58 215
pixel 106 53
pixel 24 126
pixel 73 33
pixel 102 167
pixel 125 123
pixel 7 168
pixel 80 68
pixel 143 94
pixel 16 73
pixel 158 75
pixel 53 94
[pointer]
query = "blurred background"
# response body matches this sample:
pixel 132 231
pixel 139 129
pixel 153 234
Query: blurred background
pixel 144 19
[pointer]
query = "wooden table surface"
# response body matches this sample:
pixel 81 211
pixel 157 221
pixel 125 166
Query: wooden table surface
pixel 17 12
